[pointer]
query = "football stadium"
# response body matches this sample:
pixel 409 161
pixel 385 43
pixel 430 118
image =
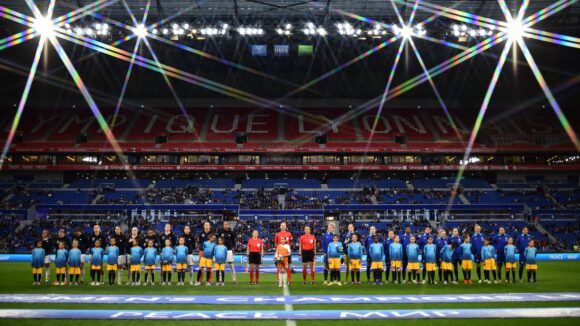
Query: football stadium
pixel 289 162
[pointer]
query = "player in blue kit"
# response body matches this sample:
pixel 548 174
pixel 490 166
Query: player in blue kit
pixel 149 260
pixel 206 261
pixel 531 264
pixel 440 242
pixel 334 251
pixel 430 253
pixel 74 263
pixel 368 242
pixel 112 260
pixel 386 245
pixel 488 257
pixel 97 254
pixel 376 252
pixel 456 240
pixel 446 255
pixel 326 240
pixel 405 241
pixel 38 255
pixel 396 257
pixel 521 244
pixel 422 241
pixel 220 253
pixel 499 242
pixel 136 255
pixel 355 256
pixel 413 261
pixel 166 262
pixel 60 261
pixel 510 260
pixel 181 253
pixel 476 245
pixel 466 261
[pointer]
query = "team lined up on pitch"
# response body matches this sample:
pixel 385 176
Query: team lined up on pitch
pixel 405 258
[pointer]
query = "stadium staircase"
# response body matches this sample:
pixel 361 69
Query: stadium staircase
pixel 96 200
pixel 545 231
pixel 374 199
pixel 553 200
pixel 434 225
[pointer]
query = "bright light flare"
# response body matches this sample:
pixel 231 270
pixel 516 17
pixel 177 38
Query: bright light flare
pixel 44 26
pixel 406 32
pixel 515 29
pixel 140 31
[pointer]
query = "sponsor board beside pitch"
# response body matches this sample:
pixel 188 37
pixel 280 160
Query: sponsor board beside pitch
pixel 289 315
pixel 290 299
pixel 26 258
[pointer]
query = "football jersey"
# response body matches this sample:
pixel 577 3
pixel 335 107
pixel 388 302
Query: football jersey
pixel 376 252
pixel 334 250
pixel 167 255
pixel 208 248
pixel 229 237
pixel 189 242
pixel 48 245
pixel 307 242
pixel 395 251
pixel 74 257
pixel 61 258
pixel 413 253
pixel 446 254
pixel 487 252
pixel 149 256
pixel 220 253
pixel 255 245
pixel 38 257
pixel 522 242
pixel 97 256
pixel 355 250
pixel 510 253
pixel 530 255
pixel 457 240
pixel 386 247
pixel 499 242
pixel 112 255
pixel 136 255
pixel 477 243
pixel 181 253
pixel 283 250
pixel 430 253
pixel 466 249
pixel 326 240
pixel 202 238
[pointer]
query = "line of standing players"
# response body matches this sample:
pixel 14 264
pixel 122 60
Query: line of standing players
pixel 126 252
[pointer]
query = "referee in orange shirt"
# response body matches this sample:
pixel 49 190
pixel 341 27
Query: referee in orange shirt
pixel 307 251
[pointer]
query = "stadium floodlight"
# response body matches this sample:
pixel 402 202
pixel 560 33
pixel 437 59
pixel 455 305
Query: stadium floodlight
pixel 406 31
pixel 44 26
pixel 515 29
pixel 140 31
pixel 79 31
pixel 89 32
pixel 165 31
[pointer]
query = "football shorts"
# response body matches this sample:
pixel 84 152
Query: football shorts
pixel 220 267
pixel 255 258
pixel 334 263
pixel 511 265
pixel 74 270
pixel 413 266
pixel 467 264
pixel 230 257
pixel 122 260
pixel 489 264
pixel 181 266
pixel 166 267
pixel 446 266
pixel 377 265
pixel 430 267
pixel 95 267
pixel 150 267
pixel 396 264
pixel 205 262
pixel 532 267
pixel 60 270
pixel 47 259
pixel 190 260
pixel 354 264
pixel 135 268
pixel 37 270
pixel 307 256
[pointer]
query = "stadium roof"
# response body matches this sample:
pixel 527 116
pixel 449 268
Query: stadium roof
pixel 296 9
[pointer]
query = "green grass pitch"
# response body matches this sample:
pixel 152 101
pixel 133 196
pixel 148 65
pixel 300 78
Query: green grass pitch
pixel 553 277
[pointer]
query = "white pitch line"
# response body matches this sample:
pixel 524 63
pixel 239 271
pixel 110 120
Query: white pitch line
pixel 288 307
